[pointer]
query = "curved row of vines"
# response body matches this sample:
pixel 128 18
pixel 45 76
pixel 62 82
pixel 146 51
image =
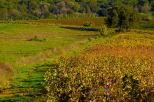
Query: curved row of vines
pixel 120 69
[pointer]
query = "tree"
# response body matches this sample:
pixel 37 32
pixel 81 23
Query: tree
pixel 122 17
pixel 113 19
pixel 44 10
pixel 63 7
pixel 152 6
pixel 4 13
pixel 88 6
pixel 35 9
pixel 143 6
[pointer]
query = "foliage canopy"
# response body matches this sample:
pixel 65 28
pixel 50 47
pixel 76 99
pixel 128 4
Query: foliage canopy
pixel 36 9
pixel 122 17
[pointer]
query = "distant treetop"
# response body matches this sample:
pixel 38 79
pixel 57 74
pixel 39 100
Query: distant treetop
pixel 36 9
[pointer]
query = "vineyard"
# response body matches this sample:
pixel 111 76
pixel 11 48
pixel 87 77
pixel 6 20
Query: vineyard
pixel 95 22
pixel 119 69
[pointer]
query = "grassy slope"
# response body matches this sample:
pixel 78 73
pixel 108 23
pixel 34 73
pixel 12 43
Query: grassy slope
pixel 13 40
pixel 123 38
pixel 28 78
pixel 25 57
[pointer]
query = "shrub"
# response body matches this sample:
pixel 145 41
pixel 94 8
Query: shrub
pixel 103 30
pixel 146 17
pixel 87 24
pixel 35 38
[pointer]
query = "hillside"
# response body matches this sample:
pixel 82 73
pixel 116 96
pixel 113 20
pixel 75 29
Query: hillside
pixel 76 50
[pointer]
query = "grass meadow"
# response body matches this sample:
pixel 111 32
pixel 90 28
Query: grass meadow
pixel 26 49
pixel 15 39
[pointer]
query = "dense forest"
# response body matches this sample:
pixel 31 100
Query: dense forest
pixel 36 9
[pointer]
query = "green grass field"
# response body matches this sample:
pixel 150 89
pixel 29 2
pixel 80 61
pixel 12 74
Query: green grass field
pixel 26 49
pixel 14 39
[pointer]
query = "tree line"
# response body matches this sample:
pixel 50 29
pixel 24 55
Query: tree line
pixel 37 9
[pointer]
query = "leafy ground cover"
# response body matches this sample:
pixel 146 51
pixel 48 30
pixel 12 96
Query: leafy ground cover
pixel 119 69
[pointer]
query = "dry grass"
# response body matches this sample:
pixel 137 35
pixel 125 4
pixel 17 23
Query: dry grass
pixel 121 51
pixel 5 70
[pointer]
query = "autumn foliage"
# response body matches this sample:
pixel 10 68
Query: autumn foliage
pixel 105 72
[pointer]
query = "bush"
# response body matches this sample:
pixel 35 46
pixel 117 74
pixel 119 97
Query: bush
pixel 35 38
pixel 146 17
pixel 103 30
pixel 87 24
